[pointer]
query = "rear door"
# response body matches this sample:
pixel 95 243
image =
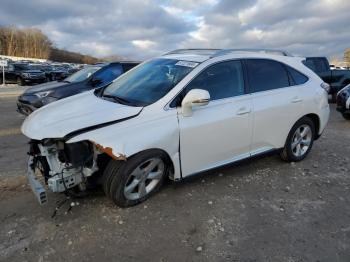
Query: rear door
pixel 277 104
pixel 220 132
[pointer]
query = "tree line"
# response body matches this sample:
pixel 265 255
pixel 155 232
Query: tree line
pixel 347 56
pixel 33 43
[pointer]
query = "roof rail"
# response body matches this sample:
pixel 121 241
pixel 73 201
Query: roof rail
pixel 197 51
pixel 219 52
pixel 257 50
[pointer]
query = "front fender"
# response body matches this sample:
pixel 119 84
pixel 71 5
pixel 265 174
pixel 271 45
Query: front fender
pixel 127 138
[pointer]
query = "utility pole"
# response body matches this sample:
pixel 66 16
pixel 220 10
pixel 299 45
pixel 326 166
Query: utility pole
pixel 3 63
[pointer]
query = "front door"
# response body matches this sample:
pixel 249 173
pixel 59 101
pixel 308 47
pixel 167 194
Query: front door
pixel 220 132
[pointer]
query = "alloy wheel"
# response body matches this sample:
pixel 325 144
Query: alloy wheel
pixel 301 140
pixel 144 178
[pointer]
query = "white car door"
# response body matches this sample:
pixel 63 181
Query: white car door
pixel 277 103
pixel 221 131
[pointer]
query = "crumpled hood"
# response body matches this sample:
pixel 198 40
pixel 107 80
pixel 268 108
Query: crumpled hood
pixel 45 87
pixel 60 118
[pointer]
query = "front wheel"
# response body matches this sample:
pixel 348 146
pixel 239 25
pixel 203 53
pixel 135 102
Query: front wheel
pixel 20 81
pixel 135 180
pixel 346 116
pixel 299 141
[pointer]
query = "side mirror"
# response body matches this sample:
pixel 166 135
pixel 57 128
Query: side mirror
pixel 96 81
pixel 195 97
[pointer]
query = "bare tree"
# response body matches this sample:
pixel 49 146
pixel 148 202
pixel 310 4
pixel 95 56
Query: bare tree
pixel 32 43
pixel 347 56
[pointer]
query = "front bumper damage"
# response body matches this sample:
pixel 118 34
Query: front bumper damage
pixel 63 166
pixel 35 185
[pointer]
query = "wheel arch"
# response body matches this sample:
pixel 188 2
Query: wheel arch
pixel 317 122
pixel 168 159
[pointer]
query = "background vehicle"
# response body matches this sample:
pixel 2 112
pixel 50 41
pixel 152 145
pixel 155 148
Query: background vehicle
pixel 343 102
pixel 337 78
pixel 22 74
pixel 90 77
pixel 52 73
pixel 185 112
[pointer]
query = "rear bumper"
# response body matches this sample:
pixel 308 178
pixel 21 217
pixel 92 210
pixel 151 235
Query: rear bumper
pixel 324 117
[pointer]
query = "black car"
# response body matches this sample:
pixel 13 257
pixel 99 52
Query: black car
pixel 90 77
pixel 22 74
pixel 52 73
pixel 343 102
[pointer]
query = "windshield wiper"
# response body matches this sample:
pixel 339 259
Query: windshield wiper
pixel 118 99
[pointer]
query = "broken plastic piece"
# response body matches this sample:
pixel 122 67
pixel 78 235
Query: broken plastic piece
pixel 109 151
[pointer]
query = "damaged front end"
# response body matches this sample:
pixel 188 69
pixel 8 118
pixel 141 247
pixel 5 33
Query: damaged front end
pixel 63 166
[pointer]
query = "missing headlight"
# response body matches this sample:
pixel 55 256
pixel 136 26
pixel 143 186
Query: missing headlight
pixel 80 153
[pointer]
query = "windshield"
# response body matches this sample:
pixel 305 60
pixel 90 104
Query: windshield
pixel 82 74
pixel 22 66
pixel 148 82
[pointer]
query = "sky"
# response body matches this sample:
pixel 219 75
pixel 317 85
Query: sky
pixel 142 29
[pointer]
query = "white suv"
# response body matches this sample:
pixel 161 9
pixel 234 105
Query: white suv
pixel 174 116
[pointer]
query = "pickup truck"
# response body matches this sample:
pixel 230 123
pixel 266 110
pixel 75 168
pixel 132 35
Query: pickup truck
pixel 22 74
pixel 336 78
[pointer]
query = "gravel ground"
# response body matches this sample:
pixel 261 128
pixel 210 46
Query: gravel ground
pixel 259 210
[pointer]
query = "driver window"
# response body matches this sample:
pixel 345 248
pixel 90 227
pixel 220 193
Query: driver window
pixel 221 80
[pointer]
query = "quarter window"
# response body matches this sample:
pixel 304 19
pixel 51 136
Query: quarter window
pixel 297 78
pixel 221 80
pixel 266 74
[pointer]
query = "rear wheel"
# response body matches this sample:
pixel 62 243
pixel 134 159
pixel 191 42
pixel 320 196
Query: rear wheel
pixel 346 116
pixel 135 180
pixel 299 141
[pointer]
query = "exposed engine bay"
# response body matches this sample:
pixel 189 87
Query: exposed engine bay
pixel 64 166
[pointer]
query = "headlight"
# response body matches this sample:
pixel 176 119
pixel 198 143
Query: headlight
pixel 43 94
pixel 25 74
pixel 48 99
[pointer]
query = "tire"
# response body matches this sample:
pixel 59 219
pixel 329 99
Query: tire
pixel 108 174
pixel 20 81
pixel 135 180
pixel 346 116
pixel 333 98
pixel 298 145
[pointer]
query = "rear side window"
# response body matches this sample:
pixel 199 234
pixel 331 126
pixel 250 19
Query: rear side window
pixel 221 80
pixel 296 78
pixel 266 74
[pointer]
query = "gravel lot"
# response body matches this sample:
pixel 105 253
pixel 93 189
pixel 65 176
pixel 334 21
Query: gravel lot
pixel 260 210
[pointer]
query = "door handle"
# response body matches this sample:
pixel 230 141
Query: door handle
pixel 243 111
pixel 296 99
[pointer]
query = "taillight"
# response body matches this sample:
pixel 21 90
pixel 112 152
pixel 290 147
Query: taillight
pixel 326 87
